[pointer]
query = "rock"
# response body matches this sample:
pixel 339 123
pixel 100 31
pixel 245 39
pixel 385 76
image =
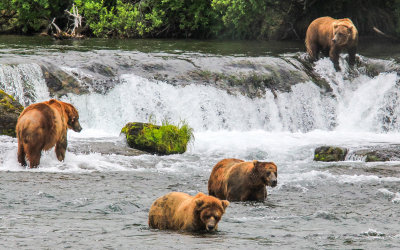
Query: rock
pixel 329 153
pixel 10 110
pixel 163 140
pixel 83 146
pixel 374 154
pixel 61 82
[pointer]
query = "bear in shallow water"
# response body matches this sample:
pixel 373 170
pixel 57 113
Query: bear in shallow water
pixel 332 36
pixel 237 180
pixel 42 126
pixel 180 211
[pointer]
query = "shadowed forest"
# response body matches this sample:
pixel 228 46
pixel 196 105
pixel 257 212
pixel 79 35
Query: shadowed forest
pixel 200 19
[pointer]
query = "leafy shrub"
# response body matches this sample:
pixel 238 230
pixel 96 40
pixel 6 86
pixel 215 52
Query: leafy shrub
pixel 248 19
pixel 147 18
pixel 30 16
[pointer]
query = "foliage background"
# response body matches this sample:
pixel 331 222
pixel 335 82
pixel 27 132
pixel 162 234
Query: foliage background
pixel 228 19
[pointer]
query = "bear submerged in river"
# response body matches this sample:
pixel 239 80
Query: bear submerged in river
pixel 181 211
pixel 237 180
pixel 332 36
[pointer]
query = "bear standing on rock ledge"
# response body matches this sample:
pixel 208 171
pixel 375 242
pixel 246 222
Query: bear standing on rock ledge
pixel 332 36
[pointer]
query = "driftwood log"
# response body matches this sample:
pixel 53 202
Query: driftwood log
pixel 73 31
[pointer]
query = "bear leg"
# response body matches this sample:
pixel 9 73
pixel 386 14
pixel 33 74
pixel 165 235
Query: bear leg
pixel 334 55
pixel 33 154
pixel 21 154
pixel 352 55
pixel 314 51
pixel 61 147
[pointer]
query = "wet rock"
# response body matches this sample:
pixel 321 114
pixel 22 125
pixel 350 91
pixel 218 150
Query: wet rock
pixel 163 140
pixel 329 153
pixel 103 147
pixel 378 153
pixel 10 110
pixel 61 82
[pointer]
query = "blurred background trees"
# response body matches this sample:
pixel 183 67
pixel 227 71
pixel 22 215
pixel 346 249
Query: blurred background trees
pixel 227 19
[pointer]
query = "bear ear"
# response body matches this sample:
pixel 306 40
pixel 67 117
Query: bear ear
pixel 199 202
pixel 255 162
pixel 52 101
pixel 199 194
pixel 225 204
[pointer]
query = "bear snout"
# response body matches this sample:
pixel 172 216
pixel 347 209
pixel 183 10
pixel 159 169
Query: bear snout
pixel 271 181
pixel 210 225
pixel 77 127
pixel 334 40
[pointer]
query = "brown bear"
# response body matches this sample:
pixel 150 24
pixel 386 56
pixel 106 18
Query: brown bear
pixel 180 211
pixel 42 126
pixel 237 180
pixel 332 36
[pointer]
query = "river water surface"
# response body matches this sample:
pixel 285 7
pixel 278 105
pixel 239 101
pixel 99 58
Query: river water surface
pixel 99 199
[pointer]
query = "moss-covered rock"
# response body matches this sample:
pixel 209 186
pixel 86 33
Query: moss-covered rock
pixel 10 110
pixel 378 154
pixel 328 153
pixel 164 140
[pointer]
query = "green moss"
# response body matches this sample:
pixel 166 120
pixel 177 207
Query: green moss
pixel 328 154
pixel 165 139
pixel 6 101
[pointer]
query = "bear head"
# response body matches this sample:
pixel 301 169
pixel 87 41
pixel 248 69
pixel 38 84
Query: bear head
pixel 344 32
pixel 266 173
pixel 209 210
pixel 73 117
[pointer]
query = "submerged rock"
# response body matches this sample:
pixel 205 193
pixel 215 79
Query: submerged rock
pixel 164 140
pixel 374 154
pixel 10 110
pixel 329 153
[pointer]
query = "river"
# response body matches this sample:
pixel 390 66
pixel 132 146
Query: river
pixel 100 198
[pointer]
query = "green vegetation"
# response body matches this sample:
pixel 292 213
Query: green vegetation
pixel 9 113
pixel 165 139
pixel 28 16
pixel 233 19
pixel 7 102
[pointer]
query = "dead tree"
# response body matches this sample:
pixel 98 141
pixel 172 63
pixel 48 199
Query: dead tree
pixel 77 22
pixel 73 32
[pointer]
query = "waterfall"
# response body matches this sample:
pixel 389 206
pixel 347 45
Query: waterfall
pixel 357 102
pixel 25 82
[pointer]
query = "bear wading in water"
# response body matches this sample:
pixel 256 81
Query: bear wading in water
pixel 237 180
pixel 42 126
pixel 331 37
pixel 181 211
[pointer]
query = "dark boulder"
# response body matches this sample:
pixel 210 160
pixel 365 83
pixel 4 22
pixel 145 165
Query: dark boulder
pixel 329 153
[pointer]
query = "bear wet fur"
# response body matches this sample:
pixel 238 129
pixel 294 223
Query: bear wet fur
pixel 42 126
pixel 181 211
pixel 331 37
pixel 237 180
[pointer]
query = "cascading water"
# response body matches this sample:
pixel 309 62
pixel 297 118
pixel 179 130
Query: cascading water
pixel 356 103
pixel 25 82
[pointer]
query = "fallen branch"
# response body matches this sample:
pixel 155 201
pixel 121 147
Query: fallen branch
pixel 74 32
pixel 379 32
